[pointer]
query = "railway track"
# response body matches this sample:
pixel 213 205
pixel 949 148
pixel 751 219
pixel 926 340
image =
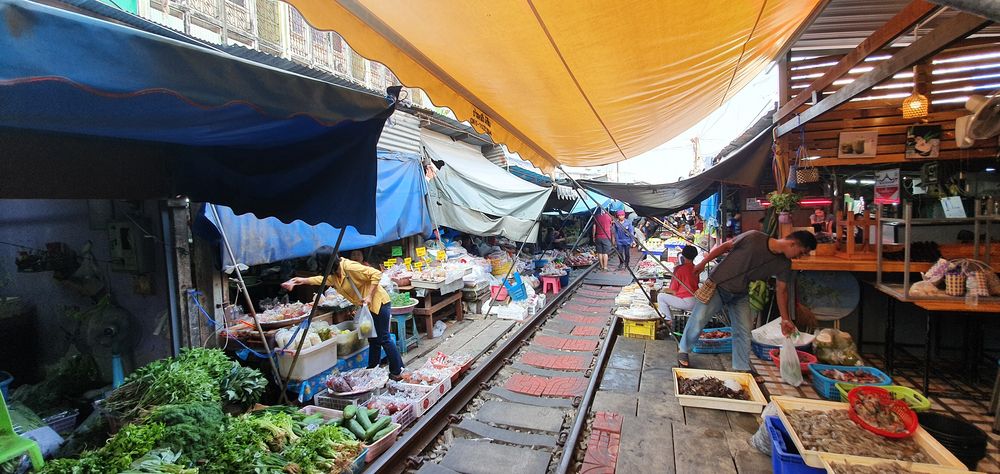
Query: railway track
pixel 523 405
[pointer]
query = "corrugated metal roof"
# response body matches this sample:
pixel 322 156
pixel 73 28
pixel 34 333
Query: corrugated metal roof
pixel 844 24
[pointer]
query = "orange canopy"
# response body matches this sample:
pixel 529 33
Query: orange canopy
pixel 580 83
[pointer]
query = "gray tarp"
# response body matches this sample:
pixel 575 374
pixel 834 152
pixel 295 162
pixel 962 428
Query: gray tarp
pixel 743 167
pixel 472 195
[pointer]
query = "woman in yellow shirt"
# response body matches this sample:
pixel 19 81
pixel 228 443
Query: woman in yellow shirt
pixel 360 285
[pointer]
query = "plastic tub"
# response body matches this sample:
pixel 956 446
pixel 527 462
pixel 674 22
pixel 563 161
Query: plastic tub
pixel 785 459
pixel 827 387
pixel 564 280
pixel 359 463
pixel 916 400
pixel 762 350
pixel 715 346
pixel 963 439
pixel 379 447
pixel 312 361
pixel 347 343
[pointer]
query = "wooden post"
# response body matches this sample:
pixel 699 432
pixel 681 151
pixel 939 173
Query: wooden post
pixel 180 230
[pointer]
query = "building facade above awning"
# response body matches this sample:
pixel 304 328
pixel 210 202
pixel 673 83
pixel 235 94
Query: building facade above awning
pixel 575 83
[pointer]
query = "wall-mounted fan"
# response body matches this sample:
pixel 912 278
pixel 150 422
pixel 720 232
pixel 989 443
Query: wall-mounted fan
pixel 983 123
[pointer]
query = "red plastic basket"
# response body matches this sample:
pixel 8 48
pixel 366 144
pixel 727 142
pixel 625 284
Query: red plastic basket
pixel 805 359
pixel 899 407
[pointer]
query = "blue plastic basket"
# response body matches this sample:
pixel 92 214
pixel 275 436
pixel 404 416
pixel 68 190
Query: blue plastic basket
pixel 827 387
pixel 785 458
pixel 762 351
pixel 715 346
pixel 516 291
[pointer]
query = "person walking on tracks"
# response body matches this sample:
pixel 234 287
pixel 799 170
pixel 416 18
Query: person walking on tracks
pixel 753 255
pixel 604 237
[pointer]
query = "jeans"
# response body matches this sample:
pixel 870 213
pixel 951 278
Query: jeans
pixel 623 254
pixel 382 341
pixel 737 306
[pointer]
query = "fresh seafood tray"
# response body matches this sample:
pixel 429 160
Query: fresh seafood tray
pixel 753 403
pixel 817 427
pixel 825 378
pixel 844 464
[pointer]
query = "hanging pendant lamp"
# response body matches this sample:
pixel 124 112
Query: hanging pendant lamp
pixel 917 104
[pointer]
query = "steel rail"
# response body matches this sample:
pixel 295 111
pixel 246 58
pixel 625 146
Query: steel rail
pixel 423 432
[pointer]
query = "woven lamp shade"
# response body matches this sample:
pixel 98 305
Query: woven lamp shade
pixel 915 105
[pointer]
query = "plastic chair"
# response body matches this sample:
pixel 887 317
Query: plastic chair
pixel 551 283
pixel 12 445
pixel 403 342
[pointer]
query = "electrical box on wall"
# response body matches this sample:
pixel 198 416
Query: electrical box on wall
pixel 131 251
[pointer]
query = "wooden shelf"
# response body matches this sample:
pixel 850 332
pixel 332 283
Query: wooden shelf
pixel 901 158
pixel 954 304
pixel 840 264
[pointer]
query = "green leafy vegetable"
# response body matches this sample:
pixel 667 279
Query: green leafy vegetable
pixel 243 386
pixel 328 449
pixel 192 430
pixel 159 461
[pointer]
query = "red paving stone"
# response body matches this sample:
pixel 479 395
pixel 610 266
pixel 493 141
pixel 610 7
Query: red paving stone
pixel 561 343
pixel 581 319
pixel 586 331
pixel 557 362
pixel 602 447
pixel 587 309
pixel 608 421
pixel 534 385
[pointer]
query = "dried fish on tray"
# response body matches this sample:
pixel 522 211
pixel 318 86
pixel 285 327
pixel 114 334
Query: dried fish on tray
pixel 732 391
pixel 818 427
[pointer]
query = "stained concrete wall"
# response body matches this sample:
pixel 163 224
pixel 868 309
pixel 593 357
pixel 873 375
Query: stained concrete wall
pixel 33 223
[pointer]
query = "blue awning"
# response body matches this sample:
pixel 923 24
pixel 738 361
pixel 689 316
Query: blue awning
pixel 399 203
pixel 250 136
pixel 530 176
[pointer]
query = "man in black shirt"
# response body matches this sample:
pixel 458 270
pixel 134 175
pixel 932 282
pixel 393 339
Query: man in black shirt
pixel 753 255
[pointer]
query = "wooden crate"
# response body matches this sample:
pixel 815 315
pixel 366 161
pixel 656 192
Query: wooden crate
pixel 931 446
pixel 755 405
pixel 829 458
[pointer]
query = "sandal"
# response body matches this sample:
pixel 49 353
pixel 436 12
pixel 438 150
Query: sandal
pixel 683 360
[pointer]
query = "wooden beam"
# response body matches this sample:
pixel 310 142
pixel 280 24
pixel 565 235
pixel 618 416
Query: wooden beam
pixel 948 32
pixel 911 14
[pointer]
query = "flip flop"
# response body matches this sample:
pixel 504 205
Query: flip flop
pixel 683 361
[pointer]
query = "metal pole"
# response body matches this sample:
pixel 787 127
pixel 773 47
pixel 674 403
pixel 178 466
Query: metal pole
pixel 907 235
pixel 583 231
pixel 312 313
pixel 524 241
pixel 878 242
pixel 246 293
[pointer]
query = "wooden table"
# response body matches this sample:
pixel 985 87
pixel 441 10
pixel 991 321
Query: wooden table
pixel 431 305
pixel 932 307
pixel 841 264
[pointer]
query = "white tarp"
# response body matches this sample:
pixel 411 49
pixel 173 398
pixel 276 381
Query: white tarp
pixel 472 195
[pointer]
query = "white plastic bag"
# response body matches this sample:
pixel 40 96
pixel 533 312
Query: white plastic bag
pixel 365 323
pixel 791 371
pixel 439 328
pixel 770 334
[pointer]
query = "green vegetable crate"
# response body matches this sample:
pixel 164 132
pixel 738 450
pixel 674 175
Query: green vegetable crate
pixel 373 450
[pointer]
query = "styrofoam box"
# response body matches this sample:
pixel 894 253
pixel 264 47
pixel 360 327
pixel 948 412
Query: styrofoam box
pixel 312 361
pixel 434 393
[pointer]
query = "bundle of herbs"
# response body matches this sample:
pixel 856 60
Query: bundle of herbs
pixel 197 375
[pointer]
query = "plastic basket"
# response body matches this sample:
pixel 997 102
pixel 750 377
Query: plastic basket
pixel 312 361
pixel 517 290
pixel 62 422
pixel 498 293
pixel 805 359
pixel 326 400
pixel 715 346
pixel 914 399
pixel 785 459
pixel 640 329
pixel 905 414
pixel 762 351
pixel 379 447
pixel 827 387
pixel 359 463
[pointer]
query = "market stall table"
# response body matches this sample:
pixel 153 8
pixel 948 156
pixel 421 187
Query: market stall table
pixel 954 306
pixel 432 305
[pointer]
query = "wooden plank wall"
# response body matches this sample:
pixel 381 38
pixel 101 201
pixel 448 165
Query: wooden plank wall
pixel 969 67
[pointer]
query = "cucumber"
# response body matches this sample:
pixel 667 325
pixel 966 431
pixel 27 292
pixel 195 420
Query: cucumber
pixel 350 411
pixel 382 433
pixel 356 429
pixel 378 426
pixel 373 415
pixel 362 418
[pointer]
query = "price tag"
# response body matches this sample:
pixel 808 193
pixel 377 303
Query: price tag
pixel 442 255
pixel 407 261
pixel 418 265
pixel 389 263
pixel 397 250
pixel 421 252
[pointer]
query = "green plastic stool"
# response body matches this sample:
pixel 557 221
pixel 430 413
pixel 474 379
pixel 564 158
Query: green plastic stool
pixel 13 446
pixel 403 342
